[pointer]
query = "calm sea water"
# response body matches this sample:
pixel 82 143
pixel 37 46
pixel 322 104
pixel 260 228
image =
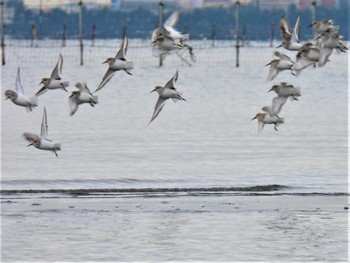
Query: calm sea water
pixel 208 141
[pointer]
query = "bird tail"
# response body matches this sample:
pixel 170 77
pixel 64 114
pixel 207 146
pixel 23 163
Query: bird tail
pixel 185 37
pixel 129 65
pixel 57 146
pixel 34 101
pixel 179 97
pixel 65 84
pixel 95 99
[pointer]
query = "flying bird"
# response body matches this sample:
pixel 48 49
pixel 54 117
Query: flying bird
pixel 283 62
pixel 287 90
pixel 119 62
pixel 18 97
pixel 276 107
pixel 167 39
pixel 166 92
pixel 264 118
pixel 290 38
pixel 83 95
pixel 42 142
pixel 54 82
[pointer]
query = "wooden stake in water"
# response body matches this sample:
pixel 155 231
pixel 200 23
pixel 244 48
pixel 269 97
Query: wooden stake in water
pixel 237 33
pixel 81 31
pixel 2 33
pixel 33 35
pixel 213 34
pixel 313 16
pixel 93 35
pixel 40 33
pixel 64 35
pixel 160 25
pixel 272 34
pixel 313 10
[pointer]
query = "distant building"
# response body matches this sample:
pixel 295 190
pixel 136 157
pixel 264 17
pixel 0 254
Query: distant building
pixel 152 5
pixel 191 4
pixel 128 5
pixel 300 4
pixel 122 5
pixel 50 4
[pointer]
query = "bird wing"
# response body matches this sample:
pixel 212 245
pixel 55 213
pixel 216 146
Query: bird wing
pixel 286 85
pixel 260 126
pixel 19 87
pixel 31 137
pixel 282 56
pixel 272 73
pixel 302 63
pixel 171 83
pixel 107 77
pixel 123 49
pixel 73 105
pixel 58 68
pixel 82 86
pixel 277 103
pixel 44 127
pixel 267 109
pixel 295 32
pixel 41 91
pixel 285 29
pixel 324 55
pixel 172 20
pixel 158 108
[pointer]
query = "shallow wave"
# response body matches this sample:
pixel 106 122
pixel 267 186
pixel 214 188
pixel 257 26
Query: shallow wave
pixel 257 190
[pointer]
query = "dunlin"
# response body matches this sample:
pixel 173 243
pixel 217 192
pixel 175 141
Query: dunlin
pixel 119 62
pixel 323 26
pixel 83 95
pixel 287 90
pixel 283 62
pixel 276 107
pixel 290 39
pixel 309 55
pixel 54 82
pixel 166 92
pixel 42 142
pixel 18 97
pixel 167 39
pixel 264 118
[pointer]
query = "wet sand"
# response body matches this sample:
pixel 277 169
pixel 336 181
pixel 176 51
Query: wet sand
pixel 175 226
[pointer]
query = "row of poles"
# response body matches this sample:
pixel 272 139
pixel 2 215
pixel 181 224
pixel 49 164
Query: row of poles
pixel 2 35
pixel 160 25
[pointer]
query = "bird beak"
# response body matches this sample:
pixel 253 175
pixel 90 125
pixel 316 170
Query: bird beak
pixel 270 90
pixel 153 90
pixel 30 144
pixel 268 64
pixel 279 46
pixel 253 118
pixel 105 62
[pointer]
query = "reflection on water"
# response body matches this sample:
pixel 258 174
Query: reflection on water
pixel 204 228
